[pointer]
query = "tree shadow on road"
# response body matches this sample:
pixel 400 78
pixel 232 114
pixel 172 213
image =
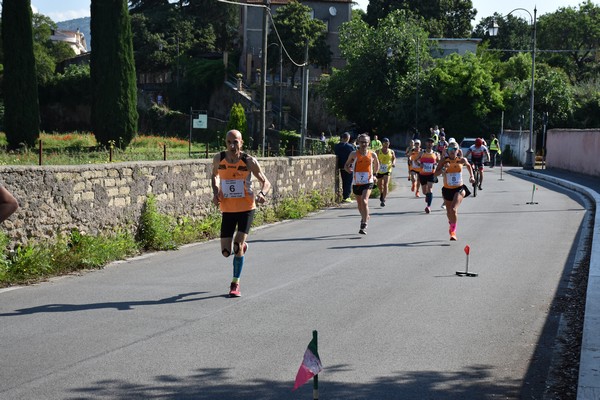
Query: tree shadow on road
pixel 473 382
pixel 422 243
pixel 117 305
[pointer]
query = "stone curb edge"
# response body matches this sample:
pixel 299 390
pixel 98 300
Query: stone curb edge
pixel 588 385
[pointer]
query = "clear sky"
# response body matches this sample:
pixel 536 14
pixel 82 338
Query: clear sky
pixel 60 10
pixel 486 8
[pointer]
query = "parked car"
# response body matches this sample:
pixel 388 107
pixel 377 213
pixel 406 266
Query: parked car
pixel 465 144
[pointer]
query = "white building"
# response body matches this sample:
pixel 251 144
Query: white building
pixel 75 39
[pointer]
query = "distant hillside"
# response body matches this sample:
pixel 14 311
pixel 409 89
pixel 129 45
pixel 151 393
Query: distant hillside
pixel 84 26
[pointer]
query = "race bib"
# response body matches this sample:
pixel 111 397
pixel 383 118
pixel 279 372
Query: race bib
pixel 361 178
pixel 428 167
pixel 454 179
pixel 383 168
pixel 233 188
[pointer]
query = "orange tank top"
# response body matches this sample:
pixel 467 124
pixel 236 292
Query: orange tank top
pixel 236 185
pixel 427 163
pixel 363 168
pixel 414 165
pixel 453 175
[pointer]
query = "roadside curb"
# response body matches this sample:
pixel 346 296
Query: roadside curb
pixel 588 385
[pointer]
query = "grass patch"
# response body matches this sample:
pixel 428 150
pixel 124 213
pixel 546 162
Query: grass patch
pixel 82 148
pixel 78 251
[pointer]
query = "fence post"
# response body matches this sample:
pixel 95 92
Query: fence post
pixel 207 150
pixel 40 152
pixel 164 152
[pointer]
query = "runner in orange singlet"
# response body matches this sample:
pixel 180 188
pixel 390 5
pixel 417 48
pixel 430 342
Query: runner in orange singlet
pixel 415 168
pixel 428 160
pixel 361 163
pixel 233 194
pixel 454 190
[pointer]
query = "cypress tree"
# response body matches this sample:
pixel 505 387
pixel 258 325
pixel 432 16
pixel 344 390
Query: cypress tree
pixel 112 72
pixel 21 109
pixel 237 120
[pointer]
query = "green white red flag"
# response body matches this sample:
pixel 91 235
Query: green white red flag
pixel 311 365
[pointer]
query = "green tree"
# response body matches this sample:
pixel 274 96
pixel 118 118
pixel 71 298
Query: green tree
pixel 297 30
pixel 464 94
pixel 575 31
pixel 377 87
pixel 442 18
pixel 553 92
pixel 22 115
pixel 587 105
pixel 114 96
pixel 166 32
pixel 237 120
pixel 514 34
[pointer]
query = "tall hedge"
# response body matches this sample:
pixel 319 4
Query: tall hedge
pixel 22 114
pixel 114 96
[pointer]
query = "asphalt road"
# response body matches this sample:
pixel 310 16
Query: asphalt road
pixel 394 320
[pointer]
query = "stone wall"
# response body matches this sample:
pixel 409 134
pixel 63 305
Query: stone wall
pixel 105 197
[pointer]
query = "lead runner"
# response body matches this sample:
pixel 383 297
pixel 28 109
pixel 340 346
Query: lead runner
pixel 232 192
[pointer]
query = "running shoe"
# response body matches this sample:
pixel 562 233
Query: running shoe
pixel 452 235
pixel 363 228
pixel 480 188
pixel 234 290
pixel 443 206
pixel 417 194
pixel 427 210
pixel 382 204
pixel 348 200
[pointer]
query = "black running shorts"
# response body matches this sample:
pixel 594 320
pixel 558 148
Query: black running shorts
pixel 231 220
pixel 359 189
pixel 448 194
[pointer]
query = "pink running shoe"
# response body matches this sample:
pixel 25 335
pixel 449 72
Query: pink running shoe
pixel 234 290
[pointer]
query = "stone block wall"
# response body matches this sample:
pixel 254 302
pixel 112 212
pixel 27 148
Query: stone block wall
pixel 106 197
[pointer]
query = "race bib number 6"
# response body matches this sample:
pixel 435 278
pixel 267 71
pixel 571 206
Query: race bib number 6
pixel 233 188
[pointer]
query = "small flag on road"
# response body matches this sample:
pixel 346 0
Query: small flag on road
pixel 311 364
pixel 467 249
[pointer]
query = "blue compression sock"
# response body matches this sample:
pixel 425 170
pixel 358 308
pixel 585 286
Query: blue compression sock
pixel 429 198
pixel 238 264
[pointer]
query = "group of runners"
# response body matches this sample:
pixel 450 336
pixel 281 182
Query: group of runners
pixel 425 164
pixel 233 191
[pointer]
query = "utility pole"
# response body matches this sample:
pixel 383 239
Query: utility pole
pixel 263 78
pixel 304 119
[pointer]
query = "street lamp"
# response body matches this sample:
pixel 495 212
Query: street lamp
pixel 493 31
pixel 390 54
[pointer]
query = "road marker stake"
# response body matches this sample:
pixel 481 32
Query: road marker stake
pixel 532 193
pixel 466 271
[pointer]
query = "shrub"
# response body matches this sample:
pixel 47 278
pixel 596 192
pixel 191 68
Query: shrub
pixel 155 232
